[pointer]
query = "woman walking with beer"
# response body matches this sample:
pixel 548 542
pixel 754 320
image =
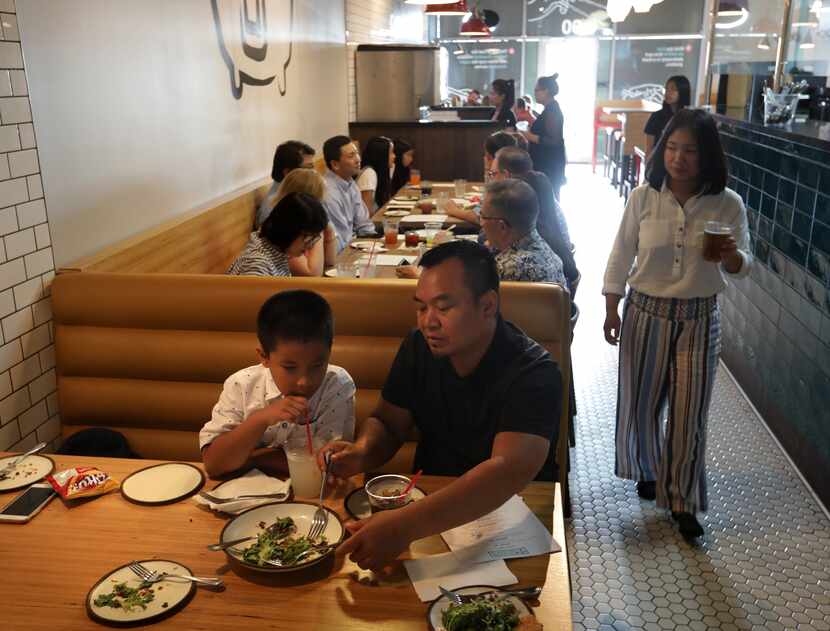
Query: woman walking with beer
pixel 683 233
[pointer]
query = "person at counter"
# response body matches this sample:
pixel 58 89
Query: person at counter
pixel 669 335
pixel 293 228
pixel 496 444
pixel 473 97
pixel 523 112
pixel 503 96
pixel 375 181
pixel 290 155
pixel 404 157
pixel 343 202
pixel 546 135
pixel 678 95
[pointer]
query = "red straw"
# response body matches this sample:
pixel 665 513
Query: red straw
pixel 369 262
pixel 308 434
pixel 412 482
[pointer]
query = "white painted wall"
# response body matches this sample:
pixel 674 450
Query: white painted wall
pixel 134 113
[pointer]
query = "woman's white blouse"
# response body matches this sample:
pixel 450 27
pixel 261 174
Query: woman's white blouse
pixel 659 246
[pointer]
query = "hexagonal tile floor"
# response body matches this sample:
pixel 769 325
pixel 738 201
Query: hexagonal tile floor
pixel 764 562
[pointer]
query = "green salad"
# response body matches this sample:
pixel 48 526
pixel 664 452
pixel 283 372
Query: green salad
pixel 275 543
pixel 126 598
pixel 481 614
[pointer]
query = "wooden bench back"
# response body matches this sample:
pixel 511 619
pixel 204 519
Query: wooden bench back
pixel 203 241
pixel 146 354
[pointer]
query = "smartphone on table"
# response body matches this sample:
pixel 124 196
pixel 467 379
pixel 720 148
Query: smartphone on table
pixel 27 504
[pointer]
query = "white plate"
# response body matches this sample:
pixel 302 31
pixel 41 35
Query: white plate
pixel 437 608
pixel 247 524
pixel 366 246
pixel 28 472
pixel 174 593
pixel 396 213
pixel 162 483
pixel 331 273
pixel 357 502
pixel 424 219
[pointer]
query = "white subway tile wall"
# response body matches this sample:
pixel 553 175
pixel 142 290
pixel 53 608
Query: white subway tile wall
pixel 28 388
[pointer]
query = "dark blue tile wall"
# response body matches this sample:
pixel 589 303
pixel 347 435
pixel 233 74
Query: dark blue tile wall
pixel 777 321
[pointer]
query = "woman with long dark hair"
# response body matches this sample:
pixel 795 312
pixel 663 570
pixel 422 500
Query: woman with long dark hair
pixel 375 179
pixel 546 136
pixel 678 96
pixel 669 335
pixel 503 96
pixel 404 157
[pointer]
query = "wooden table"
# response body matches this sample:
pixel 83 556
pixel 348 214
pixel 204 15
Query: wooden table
pixel 50 564
pixel 414 193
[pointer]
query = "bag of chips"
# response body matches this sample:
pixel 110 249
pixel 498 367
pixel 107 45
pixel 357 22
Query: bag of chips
pixel 80 482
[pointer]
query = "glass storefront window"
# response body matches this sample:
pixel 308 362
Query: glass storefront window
pixel 808 53
pixel 746 40
pixel 477 64
pixel 642 66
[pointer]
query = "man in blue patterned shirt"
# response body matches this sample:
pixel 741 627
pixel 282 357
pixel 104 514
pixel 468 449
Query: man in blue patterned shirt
pixel 508 218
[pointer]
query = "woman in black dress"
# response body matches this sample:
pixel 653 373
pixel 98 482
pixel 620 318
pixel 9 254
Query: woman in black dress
pixel 503 96
pixel 678 95
pixel 546 137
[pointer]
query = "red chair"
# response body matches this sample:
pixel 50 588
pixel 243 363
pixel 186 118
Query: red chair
pixel 609 123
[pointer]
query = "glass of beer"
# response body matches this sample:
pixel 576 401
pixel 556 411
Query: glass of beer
pixel 715 234
pixel 414 177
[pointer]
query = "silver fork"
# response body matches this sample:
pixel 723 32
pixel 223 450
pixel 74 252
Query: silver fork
pixel 154 576
pixel 22 457
pixel 321 550
pixel 451 596
pixel 321 515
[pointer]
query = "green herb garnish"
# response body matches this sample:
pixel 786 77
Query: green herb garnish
pixel 481 614
pixel 126 598
pixel 275 544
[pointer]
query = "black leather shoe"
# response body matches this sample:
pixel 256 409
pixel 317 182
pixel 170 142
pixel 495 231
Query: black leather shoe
pixel 688 524
pixel 647 490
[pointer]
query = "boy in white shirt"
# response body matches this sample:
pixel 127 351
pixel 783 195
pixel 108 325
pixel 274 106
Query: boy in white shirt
pixel 294 384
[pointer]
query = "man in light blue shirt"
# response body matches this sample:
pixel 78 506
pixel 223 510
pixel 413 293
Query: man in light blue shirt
pixel 343 202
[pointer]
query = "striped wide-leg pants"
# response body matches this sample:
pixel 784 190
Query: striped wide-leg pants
pixel 669 351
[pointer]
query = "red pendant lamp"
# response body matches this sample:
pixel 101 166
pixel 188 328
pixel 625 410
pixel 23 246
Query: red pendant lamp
pixel 475 26
pixel 456 8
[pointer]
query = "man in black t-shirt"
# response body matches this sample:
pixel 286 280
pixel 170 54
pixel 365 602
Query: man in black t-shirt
pixel 484 397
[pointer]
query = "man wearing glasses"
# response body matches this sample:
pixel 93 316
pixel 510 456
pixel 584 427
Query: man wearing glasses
pixel 508 220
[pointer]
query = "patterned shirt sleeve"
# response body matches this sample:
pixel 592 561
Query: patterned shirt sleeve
pixel 337 406
pixel 227 414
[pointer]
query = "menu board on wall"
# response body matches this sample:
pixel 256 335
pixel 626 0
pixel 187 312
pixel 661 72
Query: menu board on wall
pixel 641 67
pixel 477 65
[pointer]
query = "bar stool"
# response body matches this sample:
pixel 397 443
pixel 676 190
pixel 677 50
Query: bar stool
pixel 608 122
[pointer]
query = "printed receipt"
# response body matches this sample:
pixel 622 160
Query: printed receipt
pixel 511 531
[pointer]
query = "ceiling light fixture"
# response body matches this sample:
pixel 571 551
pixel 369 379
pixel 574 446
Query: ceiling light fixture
pixel 455 8
pixel 474 26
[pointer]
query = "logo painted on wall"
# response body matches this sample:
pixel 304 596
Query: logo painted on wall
pixel 255 39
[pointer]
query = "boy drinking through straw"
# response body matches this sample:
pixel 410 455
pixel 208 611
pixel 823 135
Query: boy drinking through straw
pixel 293 384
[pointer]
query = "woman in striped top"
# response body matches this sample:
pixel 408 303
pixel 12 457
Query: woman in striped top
pixel 294 227
pixel 669 334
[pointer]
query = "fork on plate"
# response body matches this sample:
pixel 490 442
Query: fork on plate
pixel 321 515
pixel 154 576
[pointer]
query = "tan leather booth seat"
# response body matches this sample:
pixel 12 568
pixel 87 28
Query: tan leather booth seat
pixel 147 354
